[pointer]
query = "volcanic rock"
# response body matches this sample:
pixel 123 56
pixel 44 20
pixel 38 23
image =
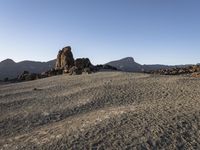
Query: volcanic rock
pixel 75 71
pixel 26 76
pixel 193 69
pixel 105 68
pixel 52 72
pixel 196 75
pixel 23 76
pixel 82 63
pixel 65 59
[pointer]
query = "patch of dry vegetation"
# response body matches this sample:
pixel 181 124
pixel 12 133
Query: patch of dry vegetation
pixel 110 110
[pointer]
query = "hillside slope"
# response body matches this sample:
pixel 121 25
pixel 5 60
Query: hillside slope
pixel 11 69
pixel 110 110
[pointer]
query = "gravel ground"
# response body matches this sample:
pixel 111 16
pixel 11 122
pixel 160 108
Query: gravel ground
pixel 106 110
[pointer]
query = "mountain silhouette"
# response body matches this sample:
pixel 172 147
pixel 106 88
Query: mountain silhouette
pixel 126 64
pixel 10 69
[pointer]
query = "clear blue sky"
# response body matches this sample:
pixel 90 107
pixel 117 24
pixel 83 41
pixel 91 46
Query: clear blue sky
pixel 151 31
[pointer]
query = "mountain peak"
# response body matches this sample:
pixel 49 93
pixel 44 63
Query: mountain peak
pixel 126 64
pixel 8 61
pixel 128 59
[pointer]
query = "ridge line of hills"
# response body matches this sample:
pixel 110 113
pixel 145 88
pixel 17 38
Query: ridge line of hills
pixel 11 69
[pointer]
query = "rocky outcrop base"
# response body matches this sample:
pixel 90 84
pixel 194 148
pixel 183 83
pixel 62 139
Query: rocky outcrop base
pixel 193 71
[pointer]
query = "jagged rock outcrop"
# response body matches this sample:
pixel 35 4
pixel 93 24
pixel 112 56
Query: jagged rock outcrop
pixel 75 71
pixel 23 75
pixel 65 59
pixel 65 63
pixel 190 70
pixel 52 72
pixel 105 68
pixel 26 76
pixel 82 63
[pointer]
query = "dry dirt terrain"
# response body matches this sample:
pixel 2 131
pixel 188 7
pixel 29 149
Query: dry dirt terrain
pixel 106 110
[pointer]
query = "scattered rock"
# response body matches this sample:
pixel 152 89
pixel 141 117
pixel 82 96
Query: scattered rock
pixel 32 76
pixel 36 89
pixel 87 70
pixel 196 75
pixel 26 76
pixel 178 70
pixel 105 68
pixel 23 76
pixel 52 72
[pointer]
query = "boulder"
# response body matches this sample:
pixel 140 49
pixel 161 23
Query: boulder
pixel 26 76
pixel 82 63
pixel 179 70
pixel 87 70
pixel 104 68
pixel 52 72
pixel 75 71
pixel 32 76
pixel 23 76
pixel 65 59
pixel 196 75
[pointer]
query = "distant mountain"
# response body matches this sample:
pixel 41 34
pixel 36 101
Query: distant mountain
pixel 126 64
pixel 11 69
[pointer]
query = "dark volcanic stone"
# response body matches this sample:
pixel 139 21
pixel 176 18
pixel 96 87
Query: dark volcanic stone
pixel 82 63
pixel 75 71
pixel 65 59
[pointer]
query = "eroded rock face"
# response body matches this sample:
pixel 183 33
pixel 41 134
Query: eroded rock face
pixel 82 63
pixel 26 76
pixel 65 59
pixel 65 62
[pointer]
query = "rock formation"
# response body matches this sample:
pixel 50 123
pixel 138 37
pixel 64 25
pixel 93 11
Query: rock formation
pixel 75 71
pixel 65 59
pixel 65 63
pixel 190 70
pixel 26 76
pixel 82 63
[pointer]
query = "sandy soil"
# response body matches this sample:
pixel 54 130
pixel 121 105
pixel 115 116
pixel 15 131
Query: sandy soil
pixel 110 110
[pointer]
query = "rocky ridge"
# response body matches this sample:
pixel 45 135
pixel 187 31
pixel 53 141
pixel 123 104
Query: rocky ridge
pixel 66 64
pixel 193 70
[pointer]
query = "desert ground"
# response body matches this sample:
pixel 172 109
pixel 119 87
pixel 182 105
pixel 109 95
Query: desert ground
pixel 105 110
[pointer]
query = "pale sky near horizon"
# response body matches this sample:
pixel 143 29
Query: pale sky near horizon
pixel 151 31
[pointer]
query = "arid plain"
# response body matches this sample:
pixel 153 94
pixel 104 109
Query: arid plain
pixel 104 110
